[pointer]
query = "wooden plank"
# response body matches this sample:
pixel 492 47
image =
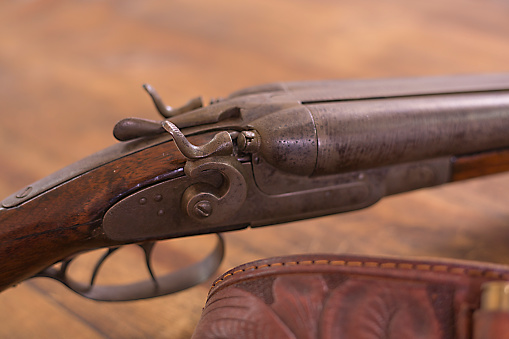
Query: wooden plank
pixel 28 314
pixel 70 70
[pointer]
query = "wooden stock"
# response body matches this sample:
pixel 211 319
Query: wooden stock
pixel 67 219
pixel 476 165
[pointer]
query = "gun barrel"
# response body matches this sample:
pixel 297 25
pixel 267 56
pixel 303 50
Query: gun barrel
pixel 356 134
pixel 362 134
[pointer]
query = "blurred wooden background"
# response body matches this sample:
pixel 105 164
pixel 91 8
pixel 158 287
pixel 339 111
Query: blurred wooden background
pixel 70 69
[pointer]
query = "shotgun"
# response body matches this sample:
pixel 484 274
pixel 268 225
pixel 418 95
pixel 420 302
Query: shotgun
pixel 264 155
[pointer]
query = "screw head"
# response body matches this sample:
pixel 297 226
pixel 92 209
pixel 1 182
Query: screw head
pixel 202 209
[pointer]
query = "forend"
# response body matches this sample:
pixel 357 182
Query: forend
pixel 264 155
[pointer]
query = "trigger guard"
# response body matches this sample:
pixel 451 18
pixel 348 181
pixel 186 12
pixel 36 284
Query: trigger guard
pixel 167 284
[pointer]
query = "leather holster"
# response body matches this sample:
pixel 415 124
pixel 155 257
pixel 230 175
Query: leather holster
pixel 334 296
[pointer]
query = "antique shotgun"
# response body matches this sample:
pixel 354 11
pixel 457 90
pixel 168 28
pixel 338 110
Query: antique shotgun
pixel 264 155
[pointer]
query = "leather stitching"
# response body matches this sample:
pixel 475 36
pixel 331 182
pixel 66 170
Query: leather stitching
pixel 471 272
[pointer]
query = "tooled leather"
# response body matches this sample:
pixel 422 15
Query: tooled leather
pixel 491 325
pixel 346 297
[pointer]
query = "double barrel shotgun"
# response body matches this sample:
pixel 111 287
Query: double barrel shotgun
pixel 264 155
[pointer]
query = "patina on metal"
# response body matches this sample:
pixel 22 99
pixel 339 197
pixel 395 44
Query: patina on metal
pixel 322 155
pixel 149 288
pixel 168 111
pixel 289 151
pixel 221 144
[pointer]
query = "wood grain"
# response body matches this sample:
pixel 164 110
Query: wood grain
pixel 476 165
pixel 67 219
pixel 70 70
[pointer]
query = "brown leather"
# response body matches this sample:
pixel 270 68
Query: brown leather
pixel 491 324
pixel 329 296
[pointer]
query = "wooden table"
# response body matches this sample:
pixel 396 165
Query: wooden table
pixel 70 70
